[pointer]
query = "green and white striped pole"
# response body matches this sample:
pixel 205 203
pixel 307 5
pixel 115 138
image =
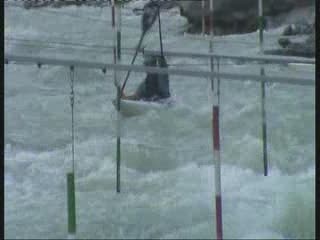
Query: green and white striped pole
pixel 71 196
pixel 263 93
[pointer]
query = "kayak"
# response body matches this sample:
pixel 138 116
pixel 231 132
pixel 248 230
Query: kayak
pixel 130 108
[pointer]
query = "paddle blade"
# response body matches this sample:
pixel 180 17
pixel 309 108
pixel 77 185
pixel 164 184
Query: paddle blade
pixel 150 13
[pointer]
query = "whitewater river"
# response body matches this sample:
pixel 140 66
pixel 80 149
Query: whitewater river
pixel 167 174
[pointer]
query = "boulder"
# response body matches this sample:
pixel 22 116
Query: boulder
pixel 290 47
pixel 62 3
pixel 302 27
pixel 234 16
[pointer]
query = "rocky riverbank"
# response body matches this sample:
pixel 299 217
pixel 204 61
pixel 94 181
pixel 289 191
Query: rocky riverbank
pixel 236 17
pixel 61 3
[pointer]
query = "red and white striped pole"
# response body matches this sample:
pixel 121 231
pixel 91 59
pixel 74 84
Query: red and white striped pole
pixel 216 140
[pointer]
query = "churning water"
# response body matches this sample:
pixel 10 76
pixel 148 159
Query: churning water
pixel 167 174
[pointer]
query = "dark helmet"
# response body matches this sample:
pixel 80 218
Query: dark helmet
pixel 150 14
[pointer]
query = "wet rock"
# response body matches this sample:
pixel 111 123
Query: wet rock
pixel 298 28
pixel 292 47
pixel 304 48
pixel 234 16
pixel 61 3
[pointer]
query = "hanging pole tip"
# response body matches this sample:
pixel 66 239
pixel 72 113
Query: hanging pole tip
pixel 104 70
pixel 71 67
pixel 39 65
pixel 71 201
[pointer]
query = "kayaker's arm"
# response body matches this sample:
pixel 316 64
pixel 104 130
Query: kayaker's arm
pixel 140 93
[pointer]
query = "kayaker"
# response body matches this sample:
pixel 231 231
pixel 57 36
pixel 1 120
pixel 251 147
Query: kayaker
pixel 156 85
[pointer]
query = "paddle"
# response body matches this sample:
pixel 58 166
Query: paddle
pixel 132 62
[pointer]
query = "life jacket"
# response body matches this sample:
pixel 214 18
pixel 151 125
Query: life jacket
pixel 157 84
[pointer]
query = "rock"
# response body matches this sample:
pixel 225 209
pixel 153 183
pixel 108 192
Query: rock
pixel 61 3
pixel 288 30
pixel 305 48
pixel 234 16
pixel 298 28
